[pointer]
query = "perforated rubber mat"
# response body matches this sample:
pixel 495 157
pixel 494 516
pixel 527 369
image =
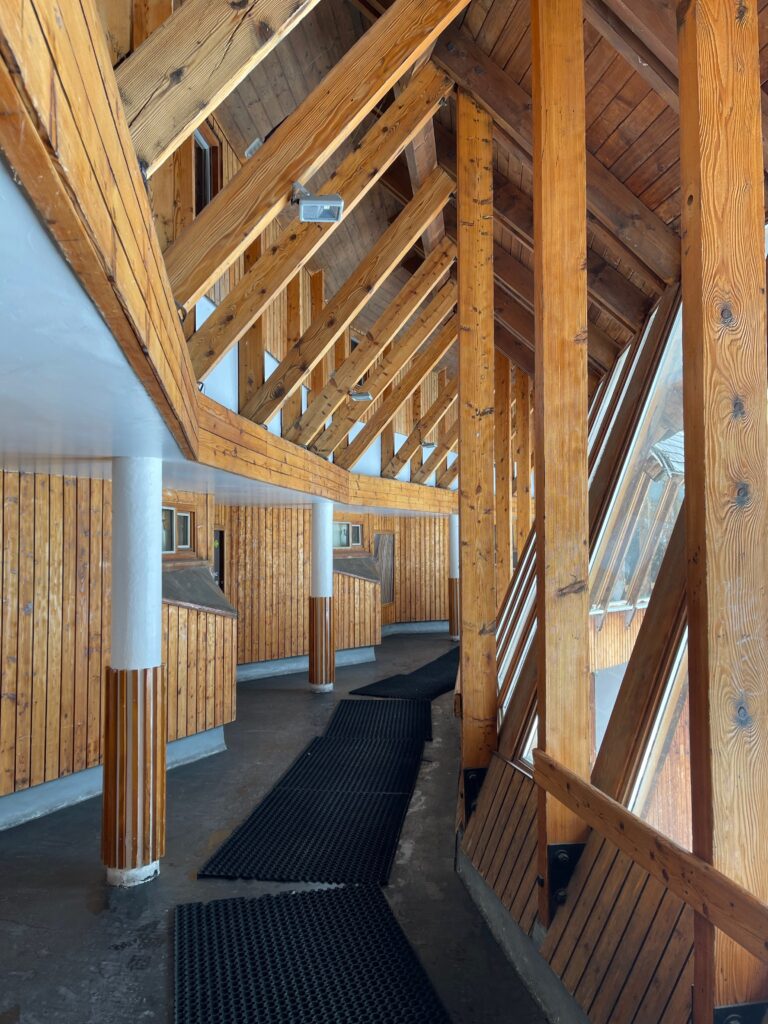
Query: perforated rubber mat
pixel 339 764
pixel 425 683
pixel 391 719
pixel 334 956
pixel 299 835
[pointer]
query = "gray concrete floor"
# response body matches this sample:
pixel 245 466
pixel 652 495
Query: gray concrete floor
pixel 74 951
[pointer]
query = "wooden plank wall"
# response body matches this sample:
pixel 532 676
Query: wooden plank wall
pixel 622 945
pixel 611 638
pixel 55 566
pixel 266 577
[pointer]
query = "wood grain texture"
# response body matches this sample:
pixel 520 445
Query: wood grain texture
pixel 374 344
pixel 523 451
pixel 433 416
pixel 340 311
pixel 133 803
pixel 476 500
pixel 726 445
pixel 190 63
pixel 293 247
pixel 322 644
pixel 64 134
pixel 562 500
pixel 502 449
pixel 302 143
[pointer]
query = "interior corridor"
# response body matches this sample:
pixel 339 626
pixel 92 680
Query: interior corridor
pixel 102 955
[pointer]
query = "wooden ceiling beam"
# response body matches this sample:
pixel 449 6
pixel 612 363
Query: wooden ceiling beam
pixel 422 429
pixel 518 353
pixel 327 400
pixel 609 201
pixel 513 210
pixel 350 298
pixel 187 66
pixel 448 475
pixel 448 443
pixel 422 364
pixel 395 359
pixel 302 143
pixel 297 243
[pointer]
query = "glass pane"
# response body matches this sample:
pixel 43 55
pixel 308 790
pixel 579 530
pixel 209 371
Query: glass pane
pixel 634 537
pixel 341 535
pixel 168 530
pixel 357 534
pixel 182 529
pixel 662 796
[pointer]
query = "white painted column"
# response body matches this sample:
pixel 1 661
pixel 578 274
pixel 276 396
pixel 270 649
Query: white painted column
pixel 322 650
pixel 137 563
pixel 454 618
pixel 133 817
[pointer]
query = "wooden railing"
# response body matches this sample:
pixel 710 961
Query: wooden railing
pixel 717 898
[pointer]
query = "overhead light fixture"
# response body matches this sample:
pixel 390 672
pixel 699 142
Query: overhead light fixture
pixel 316 209
pixel 361 396
pixel 428 446
pixel 256 144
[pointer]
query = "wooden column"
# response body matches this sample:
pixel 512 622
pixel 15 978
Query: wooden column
pixel 322 648
pixel 476 502
pixel 726 451
pixel 250 348
pixel 503 453
pixel 523 506
pixel 417 412
pixel 291 411
pixel 562 506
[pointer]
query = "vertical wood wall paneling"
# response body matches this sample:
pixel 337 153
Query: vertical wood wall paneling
pixel 726 445
pixel 562 520
pixel 476 497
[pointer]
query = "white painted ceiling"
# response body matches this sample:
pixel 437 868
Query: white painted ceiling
pixel 69 401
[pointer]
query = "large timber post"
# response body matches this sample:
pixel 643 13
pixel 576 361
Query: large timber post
pixel 726 453
pixel 562 503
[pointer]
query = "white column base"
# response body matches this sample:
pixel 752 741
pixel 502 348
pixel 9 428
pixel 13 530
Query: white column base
pixel 124 878
pixel 454 637
pixel 321 687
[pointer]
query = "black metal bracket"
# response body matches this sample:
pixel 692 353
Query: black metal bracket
pixel 562 859
pixel 473 783
pixel 746 1013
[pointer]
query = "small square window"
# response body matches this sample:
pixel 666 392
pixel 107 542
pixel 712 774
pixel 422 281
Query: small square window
pixel 183 530
pixel 341 535
pixel 168 531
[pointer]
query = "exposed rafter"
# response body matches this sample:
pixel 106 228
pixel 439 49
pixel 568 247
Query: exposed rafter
pixel 351 297
pixel 609 201
pixel 422 429
pixel 393 362
pixel 393 319
pixel 352 179
pixel 448 475
pixel 302 143
pixel 187 66
pixel 422 364
pixel 448 443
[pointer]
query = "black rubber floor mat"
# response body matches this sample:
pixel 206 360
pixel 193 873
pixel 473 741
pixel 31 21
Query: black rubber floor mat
pixel 425 683
pixel 391 719
pixel 298 835
pixel 344 765
pixel 333 956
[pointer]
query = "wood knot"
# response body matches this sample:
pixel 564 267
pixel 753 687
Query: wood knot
pixel 742 494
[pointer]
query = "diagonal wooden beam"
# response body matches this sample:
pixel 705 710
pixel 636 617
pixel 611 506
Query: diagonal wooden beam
pixel 353 179
pixel 448 475
pixel 302 143
pixel 381 335
pixel 434 461
pixel 609 201
pixel 421 365
pixel 351 297
pixel 187 66
pixel 419 434
pixel 393 362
